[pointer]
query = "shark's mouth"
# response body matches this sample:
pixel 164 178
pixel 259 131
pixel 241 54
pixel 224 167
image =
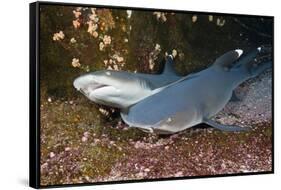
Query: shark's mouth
pixel 83 92
pixel 93 87
pixel 97 86
pixel 98 90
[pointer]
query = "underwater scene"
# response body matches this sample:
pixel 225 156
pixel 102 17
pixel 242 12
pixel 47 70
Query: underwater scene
pixel 134 94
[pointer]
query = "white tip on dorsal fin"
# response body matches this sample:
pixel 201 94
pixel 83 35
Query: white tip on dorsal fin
pixel 239 51
pixel 228 58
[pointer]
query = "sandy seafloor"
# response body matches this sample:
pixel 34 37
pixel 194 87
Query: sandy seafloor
pixel 255 105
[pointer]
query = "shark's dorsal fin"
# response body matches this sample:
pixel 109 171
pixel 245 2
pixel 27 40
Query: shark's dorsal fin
pixel 228 58
pixel 169 67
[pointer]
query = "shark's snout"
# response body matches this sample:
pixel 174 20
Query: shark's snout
pixel 83 82
pixel 77 83
pixel 116 89
pixel 88 84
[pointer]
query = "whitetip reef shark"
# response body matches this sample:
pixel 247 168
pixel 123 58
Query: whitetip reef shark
pixel 121 89
pixel 168 103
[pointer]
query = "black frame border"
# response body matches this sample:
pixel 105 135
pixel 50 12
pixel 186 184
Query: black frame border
pixel 34 94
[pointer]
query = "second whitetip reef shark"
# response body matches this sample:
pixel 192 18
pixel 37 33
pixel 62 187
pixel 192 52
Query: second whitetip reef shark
pixel 167 103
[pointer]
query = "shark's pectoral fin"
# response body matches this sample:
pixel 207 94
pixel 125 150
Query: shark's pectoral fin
pixel 228 128
pixel 234 98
